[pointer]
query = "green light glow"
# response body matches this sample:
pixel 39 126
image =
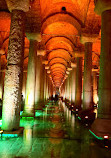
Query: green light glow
pixel 9 135
pixel 100 138
pixel 79 118
pixel 21 113
pixel 26 121
pixel 38 113
pixel 0 123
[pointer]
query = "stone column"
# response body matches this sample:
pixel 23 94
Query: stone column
pixel 87 83
pixel 102 125
pixel 78 87
pixel 67 88
pixel 24 84
pixel 95 88
pixel 45 84
pixel 64 94
pixel 70 86
pixel 13 76
pixel 50 88
pixel 39 88
pixel 47 94
pixel 30 85
pixel 104 109
pixel 42 82
pixel 1 89
pixel 73 85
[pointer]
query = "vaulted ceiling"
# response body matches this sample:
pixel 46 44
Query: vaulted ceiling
pixel 62 25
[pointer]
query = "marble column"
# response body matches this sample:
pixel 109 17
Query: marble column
pixel 13 76
pixel 78 87
pixel 87 83
pixel 30 84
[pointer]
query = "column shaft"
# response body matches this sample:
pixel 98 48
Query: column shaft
pixel 78 95
pixel 30 85
pixel 104 109
pixel 87 83
pixel 39 89
pixel 73 84
pixel 13 76
pixel 95 88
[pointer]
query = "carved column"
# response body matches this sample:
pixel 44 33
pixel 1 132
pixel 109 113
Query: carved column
pixel 13 76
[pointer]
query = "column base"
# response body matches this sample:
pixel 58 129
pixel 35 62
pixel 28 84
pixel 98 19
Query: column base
pixel 101 128
pixel 14 133
pixel 40 105
pixel 28 114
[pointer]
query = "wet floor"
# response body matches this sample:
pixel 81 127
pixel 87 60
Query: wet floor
pixel 54 133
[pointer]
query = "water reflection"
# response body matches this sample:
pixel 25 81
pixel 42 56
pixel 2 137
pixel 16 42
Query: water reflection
pixel 56 133
pixel 27 137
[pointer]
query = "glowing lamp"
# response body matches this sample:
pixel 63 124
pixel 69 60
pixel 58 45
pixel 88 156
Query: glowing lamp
pixel 106 137
pixel 86 117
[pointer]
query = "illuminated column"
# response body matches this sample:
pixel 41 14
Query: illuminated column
pixel 47 94
pixel 73 84
pixel 30 85
pixel 24 84
pixel 45 84
pixel 78 95
pixel 50 88
pixel 87 83
pixel 39 88
pixel 2 52
pixel 67 88
pixel 70 86
pixel 95 96
pixel 105 67
pixel 42 82
pixel 1 85
pixel 13 75
pixel 102 125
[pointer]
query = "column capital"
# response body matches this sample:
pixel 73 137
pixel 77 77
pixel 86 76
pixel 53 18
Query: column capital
pixel 40 49
pixel 34 36
pixel 88 38
pixel 102 5
pixel 18 5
